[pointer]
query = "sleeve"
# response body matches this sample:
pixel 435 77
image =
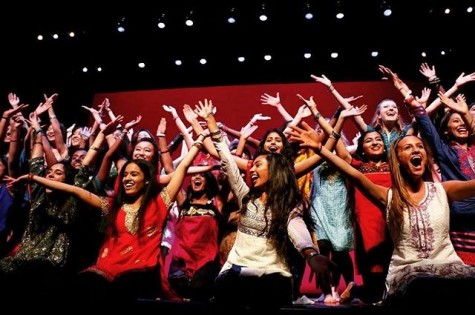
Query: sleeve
pixel 236 182
pixel 37 167
pixel 298 232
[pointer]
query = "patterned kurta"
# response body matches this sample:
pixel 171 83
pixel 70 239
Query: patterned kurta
pixel 424 247
pixel 330 209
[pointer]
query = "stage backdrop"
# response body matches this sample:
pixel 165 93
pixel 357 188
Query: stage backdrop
pixel 236 105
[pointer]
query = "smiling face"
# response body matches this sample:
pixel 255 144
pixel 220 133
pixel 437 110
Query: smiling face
pixel 133 180
pixel 373 146
pixel 76 137
pixel 388 111
pixel 76 159
pixel 412 156
pixel 274 143
pixel 456 128
pixel 260 172
pixel 144 150
pixel 50 133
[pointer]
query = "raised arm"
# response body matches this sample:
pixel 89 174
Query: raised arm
pixel 308 138
pixel 359 121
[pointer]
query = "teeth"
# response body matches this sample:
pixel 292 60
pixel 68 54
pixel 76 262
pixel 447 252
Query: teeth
pixel 254 176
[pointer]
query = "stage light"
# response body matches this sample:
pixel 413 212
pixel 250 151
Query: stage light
pixel 232 16
pixel 189 19
pixel 161 21
pixel 121 25
pixel 263 13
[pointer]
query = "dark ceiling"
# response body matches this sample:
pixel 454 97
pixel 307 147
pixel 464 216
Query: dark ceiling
pixel 30 67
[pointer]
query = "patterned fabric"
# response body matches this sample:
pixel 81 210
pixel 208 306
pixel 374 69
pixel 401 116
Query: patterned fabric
pixel 330 208
pixel 252 250
pixel 51 225
pixel 424 247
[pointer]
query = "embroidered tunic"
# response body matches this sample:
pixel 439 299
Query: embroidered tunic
pixel 424 247
pixel 252 249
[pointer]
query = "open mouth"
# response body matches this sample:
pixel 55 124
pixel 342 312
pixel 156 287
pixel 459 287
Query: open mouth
pixel 416 160
pixel 273 149
pixel 197 182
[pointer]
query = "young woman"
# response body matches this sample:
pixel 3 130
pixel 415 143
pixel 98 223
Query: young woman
pixel 129 261
pixel 271 224
pixel 194 253
pixel 417 213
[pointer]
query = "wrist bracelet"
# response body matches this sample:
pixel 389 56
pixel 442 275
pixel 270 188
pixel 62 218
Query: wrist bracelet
pixel 316 116
pixel 52 117
pixel 165 151
pixel 160 135
pixel 3 117
pixel 331 88
pixel 335 135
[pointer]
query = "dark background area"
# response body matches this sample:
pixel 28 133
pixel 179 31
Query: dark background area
pixel 30 67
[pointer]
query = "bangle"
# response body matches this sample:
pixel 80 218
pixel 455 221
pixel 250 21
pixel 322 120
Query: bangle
pixel 3 117
pixel 408 95
pixel 315 253
pixel 30 176
pixel 161 135
pixel 165 151
pixel 198 144
pixel 204 135
pixel 335 135
pixel 410 99
pixel 52 117
pixel 38 142
pixel 37 132
pixel 94 148
pixel 318 148
pixel 331 88
pixel 174 118
pixel 13 140
pixel 316 116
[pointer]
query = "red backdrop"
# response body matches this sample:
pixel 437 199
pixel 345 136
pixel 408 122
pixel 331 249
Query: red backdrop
pixel 237 104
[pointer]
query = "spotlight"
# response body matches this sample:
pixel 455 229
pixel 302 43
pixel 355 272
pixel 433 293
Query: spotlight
pixel 161 21
pixel 386 8
pixel 121 25
pixel 189 19
pixel 262 13
pixel 232 16
pixel 308 12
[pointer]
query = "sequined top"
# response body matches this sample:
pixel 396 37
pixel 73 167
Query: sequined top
pixel 50 227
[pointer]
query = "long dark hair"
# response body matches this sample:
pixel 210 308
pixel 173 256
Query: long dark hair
pixel 151 189
pixel 156 154
pixel 287 149
pixel 211 187
pixel 283 196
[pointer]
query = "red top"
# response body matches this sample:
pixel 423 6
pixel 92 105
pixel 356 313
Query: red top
pixel 125 251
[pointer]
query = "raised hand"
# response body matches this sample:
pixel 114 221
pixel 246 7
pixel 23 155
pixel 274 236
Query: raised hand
pixel 162 127
pixel 203 109
pixel 425 93
pixel 353 98
pixel 458 105
pixel 310 103
pixel 267 99
pixel 133 122
pixel 462 79
pixel 354 111
pixel 257 117
pixel 190 115
pixel 323 79
pixel 427 71
pixel 170 109
pixel 10 112
pixel 306 136
pixel 109 128
pixel 304 111
pixel 104 106
pixel 13 99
